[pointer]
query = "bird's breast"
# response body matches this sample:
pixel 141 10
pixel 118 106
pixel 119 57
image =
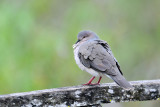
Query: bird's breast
pixel 82 67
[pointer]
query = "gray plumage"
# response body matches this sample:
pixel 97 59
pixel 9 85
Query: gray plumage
pixel 94 56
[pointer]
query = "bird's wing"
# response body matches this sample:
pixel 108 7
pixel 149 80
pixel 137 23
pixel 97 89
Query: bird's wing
pixel 97 55
pixel 106 46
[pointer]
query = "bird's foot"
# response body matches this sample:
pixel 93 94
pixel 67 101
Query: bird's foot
pixel 91 84
pixel 96 84
pixel 90 81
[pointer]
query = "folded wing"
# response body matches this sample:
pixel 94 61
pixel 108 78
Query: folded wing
pixel 97 55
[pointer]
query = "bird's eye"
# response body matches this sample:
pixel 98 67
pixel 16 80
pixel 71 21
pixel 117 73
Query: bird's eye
pixel 82 37
pixel 85 36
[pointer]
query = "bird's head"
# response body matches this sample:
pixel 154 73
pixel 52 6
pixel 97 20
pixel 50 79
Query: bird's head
pixel 85 36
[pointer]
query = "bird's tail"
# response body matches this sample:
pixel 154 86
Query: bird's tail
pixel 121 81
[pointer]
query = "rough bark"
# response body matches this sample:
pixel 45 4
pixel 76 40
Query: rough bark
pixel 83 95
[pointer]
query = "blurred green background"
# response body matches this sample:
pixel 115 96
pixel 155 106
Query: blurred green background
pixel 36 39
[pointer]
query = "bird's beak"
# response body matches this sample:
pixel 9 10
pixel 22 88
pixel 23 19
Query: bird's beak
pixel 77 41
pixel 75 45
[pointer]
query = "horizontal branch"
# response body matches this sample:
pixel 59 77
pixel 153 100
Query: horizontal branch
pixel 84 95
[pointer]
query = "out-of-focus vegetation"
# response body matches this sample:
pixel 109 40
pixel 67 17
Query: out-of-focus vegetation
pixel 36 39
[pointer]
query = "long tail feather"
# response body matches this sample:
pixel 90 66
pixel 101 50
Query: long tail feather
pixel 121 81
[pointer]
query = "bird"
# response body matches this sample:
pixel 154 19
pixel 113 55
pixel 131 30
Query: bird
pixel 94 56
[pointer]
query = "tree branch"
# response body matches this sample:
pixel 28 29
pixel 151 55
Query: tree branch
pixel 84 95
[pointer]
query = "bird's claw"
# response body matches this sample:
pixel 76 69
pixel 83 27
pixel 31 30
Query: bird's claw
pixel 91 84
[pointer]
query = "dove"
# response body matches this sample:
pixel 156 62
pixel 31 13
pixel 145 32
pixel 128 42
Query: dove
pixel 94 56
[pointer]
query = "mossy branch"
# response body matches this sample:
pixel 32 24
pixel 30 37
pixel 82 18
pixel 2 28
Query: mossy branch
pixel 84 95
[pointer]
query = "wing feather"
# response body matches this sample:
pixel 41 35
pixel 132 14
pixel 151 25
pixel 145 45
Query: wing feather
pixel 97 55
